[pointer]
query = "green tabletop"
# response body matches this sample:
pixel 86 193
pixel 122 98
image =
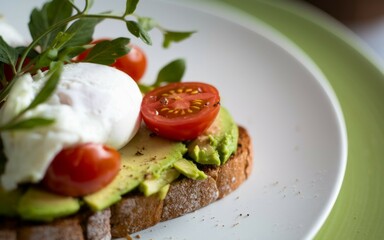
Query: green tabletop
pixel 358 81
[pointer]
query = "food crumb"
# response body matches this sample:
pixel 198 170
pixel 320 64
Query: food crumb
pixel 275 183
pixel 137 236
pixel 234 225
pixel 128 237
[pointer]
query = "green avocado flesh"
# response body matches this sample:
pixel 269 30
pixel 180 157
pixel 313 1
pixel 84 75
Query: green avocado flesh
pixel 9 202
pixel 40 205
pixel 189 169
pixel 146 156
pixel 148 163
pixel 217 143
pixel 153 185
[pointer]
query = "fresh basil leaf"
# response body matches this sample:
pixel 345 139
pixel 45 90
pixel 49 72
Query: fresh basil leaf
pixel 145 88
pixel 27 124
pixel 68 53
pixel 130 6
pixel 52 52
pixel 8 54
pixel 171 36
pixel 82 31
pixel 138 31
pixel 147 23
pixel 61 39
pixel 172 72
pixel 49 87
pixel 31 54
pixel 41 20
pixel 106 52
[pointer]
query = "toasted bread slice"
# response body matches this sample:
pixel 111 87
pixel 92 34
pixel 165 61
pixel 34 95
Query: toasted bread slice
pixel 136 212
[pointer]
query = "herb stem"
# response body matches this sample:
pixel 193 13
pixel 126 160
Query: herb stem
pixel 75 7
pixel 104 16
pixel 35 42
pixel 59 24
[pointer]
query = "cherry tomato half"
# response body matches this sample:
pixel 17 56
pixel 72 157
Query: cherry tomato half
pixel 82 169
pixel 180 111
pixel 134 63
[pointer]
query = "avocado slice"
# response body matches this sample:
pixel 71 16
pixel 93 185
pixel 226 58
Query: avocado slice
pixel 189 169
pixel 217 143
pixel 145 156
pixel 9 201
pixel 40 205
pixel 154 185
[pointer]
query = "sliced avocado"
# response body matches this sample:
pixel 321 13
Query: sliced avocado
pixel 189 169
pixel 217 143
pixel 154 185
pixel 9 201
pixel 145 156
pixel 39 205
pixel 164 191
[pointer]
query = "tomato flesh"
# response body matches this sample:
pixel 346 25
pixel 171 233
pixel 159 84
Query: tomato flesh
pixel 181 111
pixel 82 169
pixel 134 63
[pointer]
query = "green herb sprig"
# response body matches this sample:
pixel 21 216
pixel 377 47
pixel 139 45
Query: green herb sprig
pixel 60 30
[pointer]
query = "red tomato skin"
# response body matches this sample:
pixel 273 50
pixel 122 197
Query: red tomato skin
pixel 82 169
pixel 134 63
pixel 185 127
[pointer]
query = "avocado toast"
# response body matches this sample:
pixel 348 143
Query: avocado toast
pixel 135 211
pixel 88 152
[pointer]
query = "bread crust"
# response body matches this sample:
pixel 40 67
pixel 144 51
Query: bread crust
pixel 136 212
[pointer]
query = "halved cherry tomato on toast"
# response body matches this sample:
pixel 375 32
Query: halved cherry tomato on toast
pixel 82 169
pixel 134 63
pixel 180 111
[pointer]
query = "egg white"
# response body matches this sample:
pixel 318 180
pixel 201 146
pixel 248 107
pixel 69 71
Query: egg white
pixel 92 103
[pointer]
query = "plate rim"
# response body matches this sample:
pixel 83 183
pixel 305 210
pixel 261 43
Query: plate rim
pixel 353 222
pixel 223 10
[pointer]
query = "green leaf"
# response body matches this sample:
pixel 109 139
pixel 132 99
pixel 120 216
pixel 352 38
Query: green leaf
pixel 138 31
pixel 8 54
pixel 41 20
pixel 48 88
pixel 147 23
pixel 130 6
pixel 27 124
pixel 68 53
pixel 52 52
pixel 172 72
pixel 82 31
pixel 170 36
pixel 31 54
pixel 145 88
pixel 106 52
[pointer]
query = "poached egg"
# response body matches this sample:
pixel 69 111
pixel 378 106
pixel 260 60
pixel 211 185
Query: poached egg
pixel 92 103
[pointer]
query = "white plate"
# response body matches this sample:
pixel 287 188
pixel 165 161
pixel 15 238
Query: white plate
pixel 273 90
